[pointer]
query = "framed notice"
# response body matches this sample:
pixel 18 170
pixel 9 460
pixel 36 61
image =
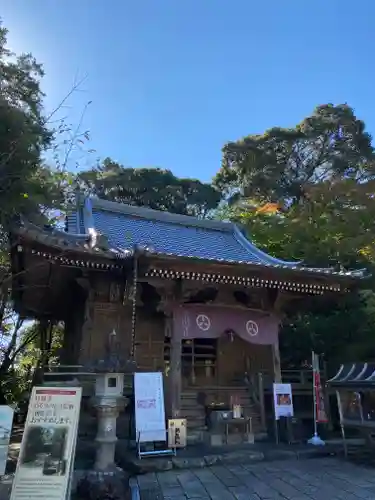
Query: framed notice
pixel 47 452
pixel 283 401
pixel 6 423
pixel 149 407
pixel 177 433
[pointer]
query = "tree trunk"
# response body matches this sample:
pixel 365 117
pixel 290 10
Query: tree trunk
pixel 3 400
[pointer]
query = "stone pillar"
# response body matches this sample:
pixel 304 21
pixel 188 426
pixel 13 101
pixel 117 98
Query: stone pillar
pixel 107 413
pixel 108 402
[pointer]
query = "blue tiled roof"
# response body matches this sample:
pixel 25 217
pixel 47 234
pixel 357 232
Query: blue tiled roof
pixel 168 234
pixel 172 239
pixel 127 227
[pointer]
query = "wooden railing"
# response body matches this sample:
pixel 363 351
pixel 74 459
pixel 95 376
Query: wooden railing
pixel 301 380
pixel 302 390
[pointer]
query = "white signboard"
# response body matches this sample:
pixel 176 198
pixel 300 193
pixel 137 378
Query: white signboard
pixel 6 423
pixel 283 401
pixel 149 407
pixel 46 458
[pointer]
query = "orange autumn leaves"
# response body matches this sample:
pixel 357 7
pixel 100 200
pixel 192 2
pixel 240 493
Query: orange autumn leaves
pixel 269 209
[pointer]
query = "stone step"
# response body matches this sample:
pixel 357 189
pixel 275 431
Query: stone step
pixel 190 409
pixel 225 394
pixel 190 403
pixel 221 388
pixel 195 436
pixel 194 422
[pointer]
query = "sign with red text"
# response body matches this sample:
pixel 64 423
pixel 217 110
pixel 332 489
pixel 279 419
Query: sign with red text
pixel 45 464
pixel 149 407
pixel 320 407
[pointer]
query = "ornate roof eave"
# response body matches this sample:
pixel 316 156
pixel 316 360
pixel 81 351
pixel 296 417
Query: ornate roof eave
pixel 88 246
pixel 80 248
pixel 297 270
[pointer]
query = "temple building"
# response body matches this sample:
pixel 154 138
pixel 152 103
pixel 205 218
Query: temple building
pixel 192 298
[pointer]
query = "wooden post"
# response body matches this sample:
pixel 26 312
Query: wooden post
pixel 327 399
pixel 261 401
pixel 277 379
pixel 175 371
pixel 175 357
pixel 276 362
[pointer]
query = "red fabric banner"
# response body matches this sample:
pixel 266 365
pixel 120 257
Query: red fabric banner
pixel 205 321
pixel 321 414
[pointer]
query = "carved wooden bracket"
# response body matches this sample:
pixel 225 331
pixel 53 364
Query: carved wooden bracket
pixel 191 288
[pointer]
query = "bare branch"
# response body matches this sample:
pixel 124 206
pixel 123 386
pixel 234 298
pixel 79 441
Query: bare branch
pixel 75 87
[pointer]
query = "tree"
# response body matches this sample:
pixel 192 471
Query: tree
pixel 342 330
pixel 150 187
pixel 307 194
pixel 23 132
pixel 27 187
pixel 282 164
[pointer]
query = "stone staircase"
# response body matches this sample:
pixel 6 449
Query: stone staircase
pixel 195 412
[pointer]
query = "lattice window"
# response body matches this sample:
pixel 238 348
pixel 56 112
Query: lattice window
pixel 198 358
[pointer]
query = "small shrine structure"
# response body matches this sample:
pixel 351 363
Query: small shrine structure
pixel 354 384
pixel 192 298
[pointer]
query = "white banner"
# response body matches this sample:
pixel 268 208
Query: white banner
pixel 149 407
pixel 283 401
pixel 6 423
pixel 46 458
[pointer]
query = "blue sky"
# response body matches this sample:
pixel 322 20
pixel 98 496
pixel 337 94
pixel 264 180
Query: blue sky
pixel 172 80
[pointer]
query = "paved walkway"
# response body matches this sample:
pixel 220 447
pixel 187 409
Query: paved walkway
pixel 311 479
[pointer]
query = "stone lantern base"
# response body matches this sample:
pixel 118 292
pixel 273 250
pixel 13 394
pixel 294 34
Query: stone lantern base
pixel 104 485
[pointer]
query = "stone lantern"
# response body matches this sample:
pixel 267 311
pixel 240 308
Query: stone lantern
pixel 108 402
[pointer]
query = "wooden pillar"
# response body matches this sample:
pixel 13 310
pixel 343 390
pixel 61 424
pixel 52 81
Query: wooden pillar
pixel 262 405
pixel 276 362
pixel 175 370
pixel 74 319
pixel 175 352
pixel 277 380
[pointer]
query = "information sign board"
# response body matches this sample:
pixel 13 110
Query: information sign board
pixel 283 401
pixel 45 464
pixel 149 407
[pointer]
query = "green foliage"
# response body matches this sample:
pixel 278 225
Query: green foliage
pixel 23 134
pixel 27 187
pixel 321 175
pixel 282 164
pixel 150 187
pixel 21 355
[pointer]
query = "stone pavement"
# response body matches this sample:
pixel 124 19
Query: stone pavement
pixel 310 479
